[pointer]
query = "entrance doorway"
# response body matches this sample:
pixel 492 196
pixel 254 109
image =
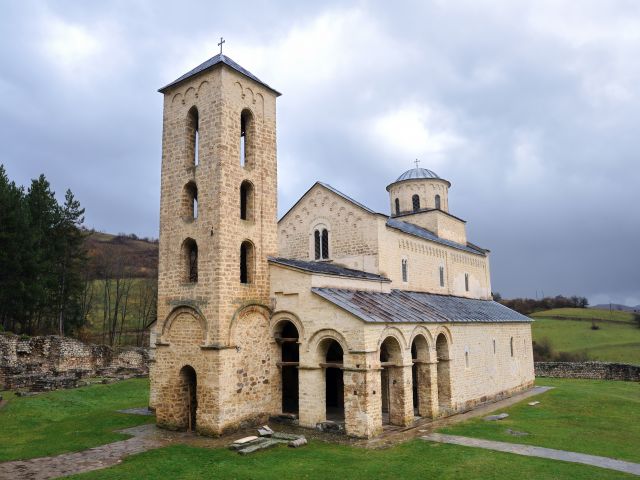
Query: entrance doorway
pixel 334 393
pixel 287 336
pixel 189 387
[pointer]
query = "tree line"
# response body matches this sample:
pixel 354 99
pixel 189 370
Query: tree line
pixel 527 306
pixel 49 284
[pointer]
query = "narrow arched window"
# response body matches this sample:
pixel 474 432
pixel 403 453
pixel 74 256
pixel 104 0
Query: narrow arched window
pixel 193 136
pixel 325 244
pixel 511 345
pixel 405 273
pixel 397 206
pixel 246 200
pixel 190 201
pixel 415 200
pixel 247 262
pixel 190 260
pixel 246 138
pixel 466 282
pixel 316 245
pixel 466 357
pixel 437 202
pixel 442 276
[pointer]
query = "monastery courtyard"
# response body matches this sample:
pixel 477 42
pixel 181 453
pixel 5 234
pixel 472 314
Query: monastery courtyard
pixel 41 439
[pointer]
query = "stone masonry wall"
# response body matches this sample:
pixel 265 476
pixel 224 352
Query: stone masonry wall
pixel 589 370
pixel 50 362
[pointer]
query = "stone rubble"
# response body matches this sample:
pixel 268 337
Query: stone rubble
pixel 267 439
pixel 491 418
pixel 533 404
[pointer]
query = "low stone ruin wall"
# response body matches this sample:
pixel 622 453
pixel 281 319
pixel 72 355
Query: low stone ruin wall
pixel 589 370
pixel 52 362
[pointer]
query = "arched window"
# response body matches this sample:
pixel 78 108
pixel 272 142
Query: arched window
pixel 247 262
pixel 193 136
pixel 246 138
pixel 321 244
pixel 437 202
pixel 190 201
pixel 246 200
pixel 397 206
pixel 466 357
pixel 405 273
pixel 190 260
pixel 466 282
pixel 442 276
pixel 415 200
pixel 511 345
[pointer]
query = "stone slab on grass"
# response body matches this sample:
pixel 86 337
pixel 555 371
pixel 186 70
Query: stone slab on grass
pixel 260 444
pixel 492 418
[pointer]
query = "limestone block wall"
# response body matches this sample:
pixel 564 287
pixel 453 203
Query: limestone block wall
pixel 25 361
pixel 353 239
pixel 437 221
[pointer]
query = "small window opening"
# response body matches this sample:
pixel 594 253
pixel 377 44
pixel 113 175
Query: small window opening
pixel 316 244
pixel 190 258
pixel 415 200
pixel 325 244
pixel 494 346
pixel 247 262
pixel 511 346
pixel 466 282
pixel 246 138
pixel 321 244
pixel 405 275
pixel 442 276
pixel 466 358
pixel 193 131
pixel 246 201
pixel 397 206
pixel 190 201
pixel 437 202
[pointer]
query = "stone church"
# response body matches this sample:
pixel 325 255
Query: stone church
pixel 333 315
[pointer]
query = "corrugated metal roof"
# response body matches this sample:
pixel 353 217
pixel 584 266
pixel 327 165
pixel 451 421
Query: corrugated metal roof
pixel 213 61
pixel 417 231
pixel 327 268
pixel 418 307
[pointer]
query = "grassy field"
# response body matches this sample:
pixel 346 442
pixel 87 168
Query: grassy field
pixel 413 460
pixel 587 416
pixel 569 330
pixel 69 420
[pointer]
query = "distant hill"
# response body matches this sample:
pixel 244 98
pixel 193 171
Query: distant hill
pixel 140 256
pixel 618 307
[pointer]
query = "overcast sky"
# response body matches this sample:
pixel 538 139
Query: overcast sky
pixel 530 109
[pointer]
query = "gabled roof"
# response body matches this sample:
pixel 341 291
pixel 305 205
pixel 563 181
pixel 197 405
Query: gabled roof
pixel 212 62
pixel 337 192
pixel 327 268
pixel 415 230
pixel 401 306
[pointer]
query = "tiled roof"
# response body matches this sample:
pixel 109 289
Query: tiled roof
pixel 417 231
pixel 418 307
pixel 213 61
pixel 327 268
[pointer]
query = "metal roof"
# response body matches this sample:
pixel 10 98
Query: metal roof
pixel 401 306
pixel 411 229
pixel 416 173
pixel 213 61
pixel 327 268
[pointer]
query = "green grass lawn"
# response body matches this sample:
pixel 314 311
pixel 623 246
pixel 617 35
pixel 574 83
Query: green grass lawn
pixel 588 416
pixel 586 314
pixel 413 460
pixel 613 342
pixel 69 420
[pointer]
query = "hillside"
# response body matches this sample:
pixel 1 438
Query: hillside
pixel 569 330
pixel 138 255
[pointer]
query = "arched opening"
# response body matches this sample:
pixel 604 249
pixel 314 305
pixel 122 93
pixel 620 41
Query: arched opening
pixel 397 206
pixel 321 243
pixel 421 377
pixel 444 379
pixel 334 383
pixel 193 136
pixel 391 388
pixel 405 270
pixel 190 201
pixel 415 201
pixel 247 133
pixel 247 262
pixel 511 345
pixel 246 200
pixel 287 337
pixel 188 397
pixel 190 260
pixel 437 202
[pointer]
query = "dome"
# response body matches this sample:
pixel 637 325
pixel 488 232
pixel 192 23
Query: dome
pixel 417 173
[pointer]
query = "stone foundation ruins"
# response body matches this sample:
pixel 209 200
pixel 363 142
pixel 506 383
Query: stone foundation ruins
pixel 53 362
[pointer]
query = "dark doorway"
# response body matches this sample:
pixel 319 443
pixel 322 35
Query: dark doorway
pixel 334 382
pixel 414 378
pixel 189 395
pixel 287 337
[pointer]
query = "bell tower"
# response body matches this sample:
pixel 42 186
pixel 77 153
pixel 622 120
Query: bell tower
pixel 218 226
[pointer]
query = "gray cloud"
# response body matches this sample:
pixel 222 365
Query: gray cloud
pixel 530 109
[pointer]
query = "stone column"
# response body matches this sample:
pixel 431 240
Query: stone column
pixel 312 392
pixel 362 408
pixel 427 388
pixel 400 395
